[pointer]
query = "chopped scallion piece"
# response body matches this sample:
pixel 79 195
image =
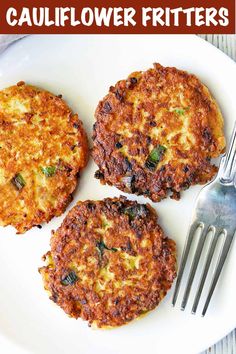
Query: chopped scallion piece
pixel 101 246
pixel 136 211
pixel 69 279
pixel 155 157
pixel 18 181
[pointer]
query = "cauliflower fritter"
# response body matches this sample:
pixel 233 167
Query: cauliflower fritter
pixel 43 147
pixel 109 262
pixel 156 133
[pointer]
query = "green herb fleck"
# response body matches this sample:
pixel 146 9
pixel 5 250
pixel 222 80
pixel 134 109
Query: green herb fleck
pixel 104 224
pixel 101 246
pixel 49 171
pixel 18 181
pixel 181 111
pixel 69 279
pixel 155 157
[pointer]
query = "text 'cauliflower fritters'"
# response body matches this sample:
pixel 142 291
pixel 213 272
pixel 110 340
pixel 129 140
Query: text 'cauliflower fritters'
pixel 43 147
pixel 156 132
pixel 109 262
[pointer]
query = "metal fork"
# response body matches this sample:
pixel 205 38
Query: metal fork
pixel 214 215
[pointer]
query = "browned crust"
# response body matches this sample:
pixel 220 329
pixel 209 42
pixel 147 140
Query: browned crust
pixel 37 129
pixel 145 106
pixel 74 247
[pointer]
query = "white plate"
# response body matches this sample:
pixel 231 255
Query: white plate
pixel 82 68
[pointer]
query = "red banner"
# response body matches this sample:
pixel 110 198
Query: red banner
pixel 117 16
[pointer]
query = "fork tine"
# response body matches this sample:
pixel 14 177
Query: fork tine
pixel 205 268
pixel 220 263
pixel 183 261
pixel 194 265
pixel 227 170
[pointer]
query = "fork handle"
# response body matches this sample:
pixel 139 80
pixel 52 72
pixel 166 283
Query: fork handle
pixel 227 164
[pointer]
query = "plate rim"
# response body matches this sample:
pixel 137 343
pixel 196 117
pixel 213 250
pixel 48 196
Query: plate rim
pixel 207 44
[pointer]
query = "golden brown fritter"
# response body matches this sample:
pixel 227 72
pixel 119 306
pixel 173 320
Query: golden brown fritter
pixel 43 147
pixel 109 262
pixel 157 132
